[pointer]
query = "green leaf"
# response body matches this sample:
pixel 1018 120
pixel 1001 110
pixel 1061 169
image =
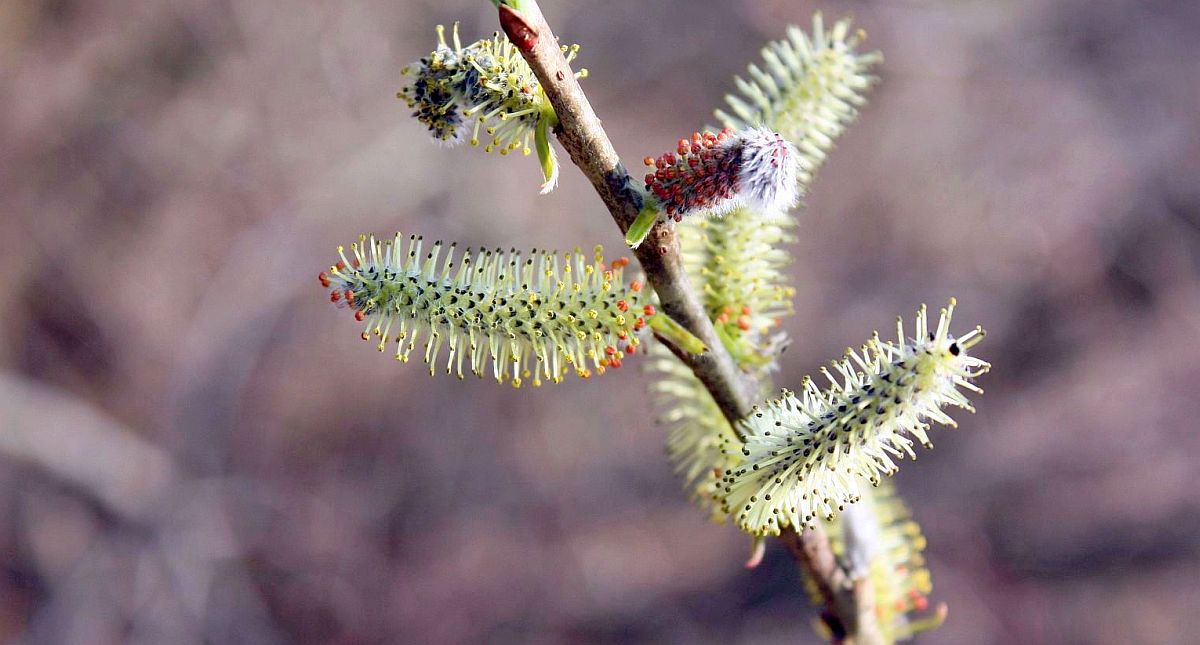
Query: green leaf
pixel 642 225
pixel 545 153
pixel 677 334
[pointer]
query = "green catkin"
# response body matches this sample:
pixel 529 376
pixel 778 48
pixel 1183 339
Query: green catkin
pixel 881 541
pixel 805 457
pixel 697 430
pixel 538 315
pixel 484 93
pixel 739 262
pixel 810 90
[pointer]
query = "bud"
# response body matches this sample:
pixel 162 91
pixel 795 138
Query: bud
pixel 712 174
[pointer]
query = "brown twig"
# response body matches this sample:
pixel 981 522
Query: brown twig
pixel 850 603
pixel 849 609
pixel 580 133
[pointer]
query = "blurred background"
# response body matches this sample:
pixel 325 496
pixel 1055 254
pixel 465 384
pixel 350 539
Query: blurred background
pixel 195 447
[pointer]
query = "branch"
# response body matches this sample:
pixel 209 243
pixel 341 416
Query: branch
pixel 735 392
pixel 580 133
pixel 850 603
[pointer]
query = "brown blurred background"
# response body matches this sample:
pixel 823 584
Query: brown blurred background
pixel 195 447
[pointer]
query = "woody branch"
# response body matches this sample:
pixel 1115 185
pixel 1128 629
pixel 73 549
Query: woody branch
pixel 848 602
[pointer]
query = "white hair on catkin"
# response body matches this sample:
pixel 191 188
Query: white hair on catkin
pixel 715 173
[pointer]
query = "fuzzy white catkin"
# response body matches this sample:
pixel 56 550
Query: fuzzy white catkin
pixel 715 173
